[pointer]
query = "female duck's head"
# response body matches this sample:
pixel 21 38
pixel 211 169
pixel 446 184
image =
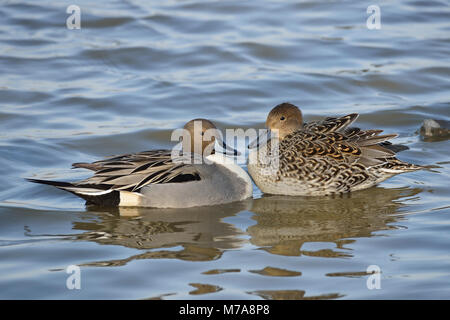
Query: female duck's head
pixel 286 118
pixel 281 121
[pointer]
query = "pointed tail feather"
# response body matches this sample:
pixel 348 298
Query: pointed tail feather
pixel 58 184
pixel 397 166
pixel 91 193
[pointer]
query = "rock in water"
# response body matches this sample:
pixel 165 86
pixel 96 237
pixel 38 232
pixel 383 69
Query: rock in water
pixel 435 130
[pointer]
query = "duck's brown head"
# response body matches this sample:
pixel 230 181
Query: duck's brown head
pixel 286 118
pixel 202 138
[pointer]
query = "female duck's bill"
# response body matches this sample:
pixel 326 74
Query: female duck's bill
pixel 321 157
pixel 153 179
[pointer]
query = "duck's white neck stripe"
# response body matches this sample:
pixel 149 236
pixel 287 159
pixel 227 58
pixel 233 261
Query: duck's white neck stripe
pixel 229 163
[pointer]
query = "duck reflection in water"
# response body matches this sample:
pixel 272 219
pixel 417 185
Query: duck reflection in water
pixel 284 223
pixel 200 231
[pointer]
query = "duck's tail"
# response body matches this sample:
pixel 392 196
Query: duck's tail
pixel 393 165
pixel 93 194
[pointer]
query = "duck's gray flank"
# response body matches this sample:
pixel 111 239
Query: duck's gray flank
pixel 156 178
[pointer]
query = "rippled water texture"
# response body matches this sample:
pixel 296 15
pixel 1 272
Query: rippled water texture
pixel 136 70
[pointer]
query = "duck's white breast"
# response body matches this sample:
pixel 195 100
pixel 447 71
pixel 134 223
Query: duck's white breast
pixel 229 163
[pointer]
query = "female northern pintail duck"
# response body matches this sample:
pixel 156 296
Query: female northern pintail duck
pixel 161 179
pixel 322 157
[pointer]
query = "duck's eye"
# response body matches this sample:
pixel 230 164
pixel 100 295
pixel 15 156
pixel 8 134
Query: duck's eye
pixel 203 133
pixel 282 118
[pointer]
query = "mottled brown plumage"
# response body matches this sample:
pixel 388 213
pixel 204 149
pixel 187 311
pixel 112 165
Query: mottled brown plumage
pixel 322 157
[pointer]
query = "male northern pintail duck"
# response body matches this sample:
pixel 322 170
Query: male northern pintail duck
pixel 322 157
pixel 158 179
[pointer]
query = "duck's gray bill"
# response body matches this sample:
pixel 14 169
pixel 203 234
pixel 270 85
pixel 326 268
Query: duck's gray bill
pixel 261 140
pixel 228 150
